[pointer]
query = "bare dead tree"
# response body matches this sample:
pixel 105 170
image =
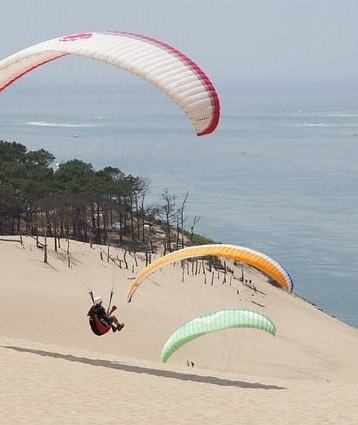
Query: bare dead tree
pixel 204 271
pixel 45 248
pixel 195 221
pixel 182 218
pixel 168 213
pixel 140 195
pixel 68 252
pixel 125 259
pixel 225 273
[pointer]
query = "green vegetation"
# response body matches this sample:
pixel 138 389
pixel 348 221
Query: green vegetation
pixel 197 239
pixel 76 201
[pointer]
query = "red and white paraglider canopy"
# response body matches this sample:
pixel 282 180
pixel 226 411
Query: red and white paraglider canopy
pixel 154 61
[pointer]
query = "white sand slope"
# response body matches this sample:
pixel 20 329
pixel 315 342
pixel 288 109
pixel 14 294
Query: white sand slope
pixel 55 370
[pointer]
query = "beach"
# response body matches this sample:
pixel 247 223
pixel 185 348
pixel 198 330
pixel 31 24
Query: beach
pixel 55 370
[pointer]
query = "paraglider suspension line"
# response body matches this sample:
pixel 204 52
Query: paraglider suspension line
pixel 110 301
pixel 92 297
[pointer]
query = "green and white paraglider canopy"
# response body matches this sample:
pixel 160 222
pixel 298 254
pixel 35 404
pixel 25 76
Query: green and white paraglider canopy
pixel 213 322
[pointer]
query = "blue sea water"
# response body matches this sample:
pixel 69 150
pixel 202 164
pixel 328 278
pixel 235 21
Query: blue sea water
pixel 280 174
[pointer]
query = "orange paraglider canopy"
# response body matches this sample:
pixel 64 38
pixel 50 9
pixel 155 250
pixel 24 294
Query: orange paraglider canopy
pixel 246 255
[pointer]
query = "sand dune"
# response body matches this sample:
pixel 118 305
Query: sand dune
pixel 55 370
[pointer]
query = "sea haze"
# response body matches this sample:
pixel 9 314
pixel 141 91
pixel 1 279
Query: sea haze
pixel 279 175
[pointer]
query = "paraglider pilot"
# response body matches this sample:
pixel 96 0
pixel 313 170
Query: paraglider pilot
pixel 106 318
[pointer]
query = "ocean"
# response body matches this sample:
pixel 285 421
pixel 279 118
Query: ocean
pixel 279 175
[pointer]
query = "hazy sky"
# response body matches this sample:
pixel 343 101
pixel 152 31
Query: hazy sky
pixel 236 38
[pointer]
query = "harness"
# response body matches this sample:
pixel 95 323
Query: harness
pixel 97 325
